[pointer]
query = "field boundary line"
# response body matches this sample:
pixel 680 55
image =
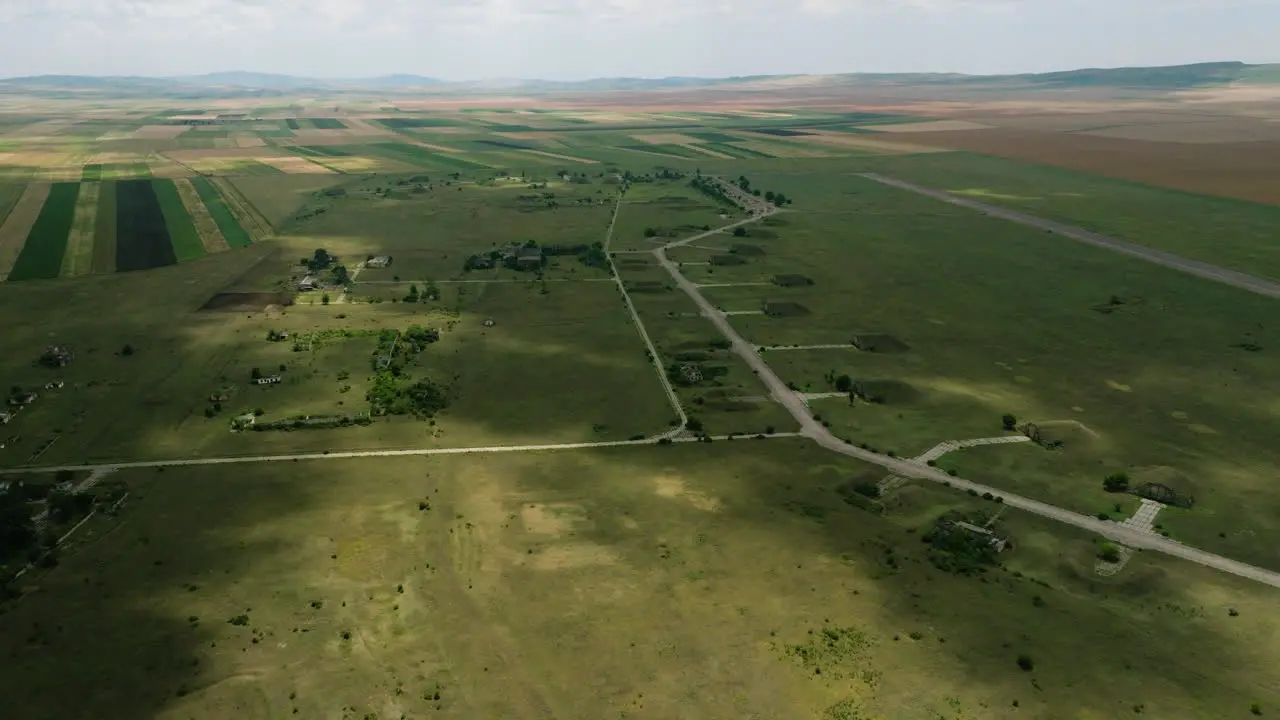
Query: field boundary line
pixel 1198 268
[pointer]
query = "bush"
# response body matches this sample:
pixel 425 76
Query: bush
pixel 127 350
pixel 1010 421
pixel 1109 552
pixel 1116 482
pixel 1256 709
pixel 1026 663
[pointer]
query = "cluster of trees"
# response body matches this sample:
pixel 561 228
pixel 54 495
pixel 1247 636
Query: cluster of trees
pixel 957 550
pixel 776 198
pixel 19 538
pixel 428 293
pixel 389 395
pixel 320 260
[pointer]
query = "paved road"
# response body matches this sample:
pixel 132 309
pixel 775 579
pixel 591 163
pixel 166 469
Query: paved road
pixel 1251 283
pixel 811 428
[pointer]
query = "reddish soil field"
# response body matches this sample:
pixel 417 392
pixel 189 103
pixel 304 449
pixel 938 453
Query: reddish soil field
pixel 1249 170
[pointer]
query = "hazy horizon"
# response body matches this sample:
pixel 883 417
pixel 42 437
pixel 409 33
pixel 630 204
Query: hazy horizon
pixel 461 40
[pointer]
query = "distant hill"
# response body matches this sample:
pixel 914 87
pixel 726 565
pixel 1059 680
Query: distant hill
pixel 253 84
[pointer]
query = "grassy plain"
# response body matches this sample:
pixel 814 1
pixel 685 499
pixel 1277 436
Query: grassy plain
pixel 501 581
pixel 1137 366
pixel 491 586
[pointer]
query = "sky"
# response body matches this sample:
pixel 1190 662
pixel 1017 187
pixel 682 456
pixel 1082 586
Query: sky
pixel 578 39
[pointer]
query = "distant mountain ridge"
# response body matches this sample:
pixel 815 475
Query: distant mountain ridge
pixel 242 83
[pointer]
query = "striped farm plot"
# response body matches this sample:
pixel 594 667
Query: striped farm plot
pixel 104 236
pixel 17 226
pixel 46 243
pixel 78 258
pixel 206 227
pixel 294 165
pixel 186 242
pixel 232 231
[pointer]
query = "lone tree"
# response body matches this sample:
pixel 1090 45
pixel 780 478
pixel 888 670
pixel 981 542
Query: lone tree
pixel 1026 663
pixel 127 350
pixel 1109 552
pixel 1010 421
pixel 844 383
pixel 739 232
pixel 1116 482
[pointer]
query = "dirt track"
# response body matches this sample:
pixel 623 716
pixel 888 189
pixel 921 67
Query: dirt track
pixel 1240 280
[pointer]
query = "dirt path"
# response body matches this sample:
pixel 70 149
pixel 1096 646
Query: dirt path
pixel 13 235
pixel 78 258
pixel 1250 283
pixel 210 235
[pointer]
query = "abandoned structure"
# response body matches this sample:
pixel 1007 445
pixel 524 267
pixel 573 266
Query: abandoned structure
pixel 268 380
pixel 55 356
pixel 379 261
pixel 307 283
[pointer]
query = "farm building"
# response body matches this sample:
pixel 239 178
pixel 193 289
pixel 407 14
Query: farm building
pixel 307 283
pixel 5 417
pixel 380 261
pixel 22 398
pixel 528 257
pixel 277 335
pixel 55 385
pixel 268 380
pixel 997 542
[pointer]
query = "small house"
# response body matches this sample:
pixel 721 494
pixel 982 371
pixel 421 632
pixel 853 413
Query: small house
pixel 307 283
pixel 380 261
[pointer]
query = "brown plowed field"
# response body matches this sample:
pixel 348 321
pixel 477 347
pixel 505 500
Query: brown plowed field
pixel 1249 170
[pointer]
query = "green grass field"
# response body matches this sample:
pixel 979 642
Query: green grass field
pixel 41 256
pixel 182 232
pixel 1054 332
pixel 1233 233
pixel 92 173
pixel 227 223
pixel 425 158
pixel 9 195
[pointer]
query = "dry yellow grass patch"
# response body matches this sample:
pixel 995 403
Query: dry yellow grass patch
pixel 210 236
pixel 65 171
pixel 224 143
pixel 44 128
pixel 249 141
pixel 359 126
pixel 78 256
pixel 13 234
pixel 558 156
pixel 535 135
pixel 707 151
pixel 163 167
pixel 861 142
pixel 666 139
pixel 196 155
pixel 437 148
pixel 784 150
pixel 321 137
pixel 930 126
pixel 293 165
pixel 448 130
pixel 159 132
